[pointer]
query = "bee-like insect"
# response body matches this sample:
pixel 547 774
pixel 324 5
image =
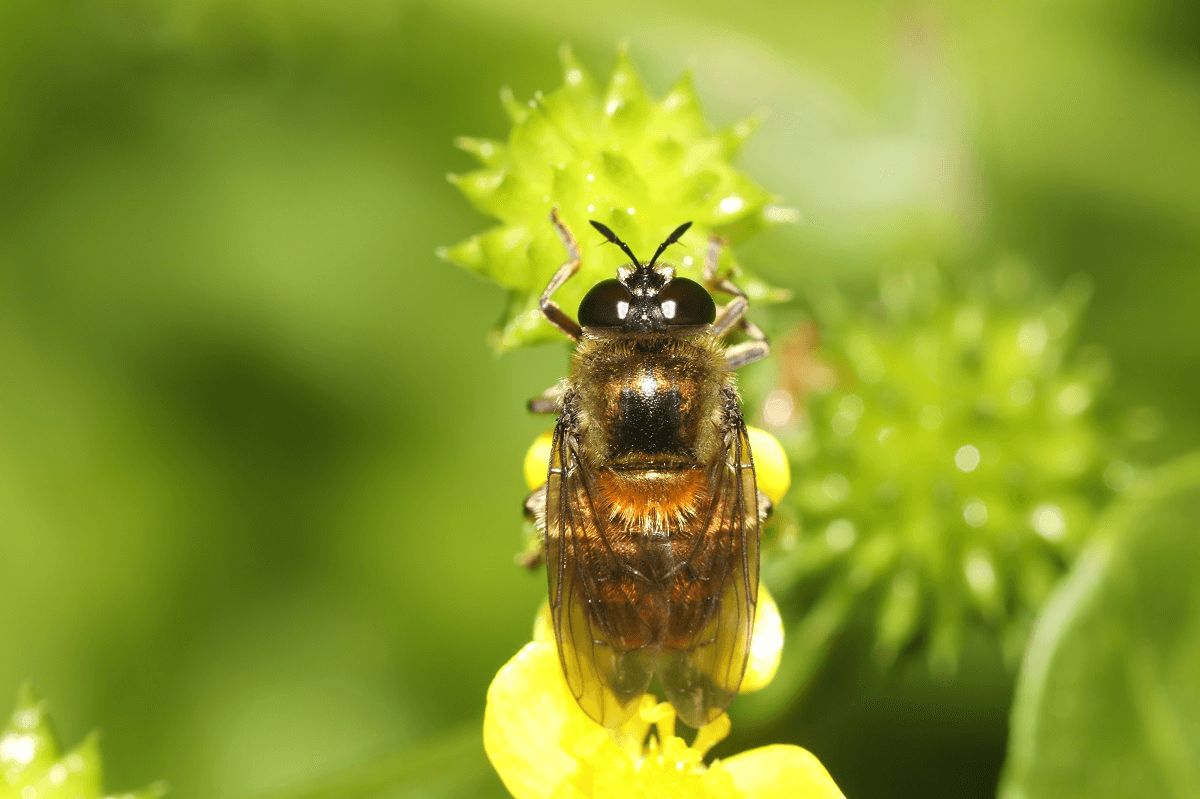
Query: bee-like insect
pixel 650 513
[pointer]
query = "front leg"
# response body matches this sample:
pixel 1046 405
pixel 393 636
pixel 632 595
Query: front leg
pixel 711 258
pixel 734 314
pixel 555 315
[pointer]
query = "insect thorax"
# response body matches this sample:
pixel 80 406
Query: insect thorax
pixel 651 402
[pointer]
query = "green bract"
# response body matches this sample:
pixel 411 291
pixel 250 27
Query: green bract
pixel 638 165
pixel 33 767
pixel 949 466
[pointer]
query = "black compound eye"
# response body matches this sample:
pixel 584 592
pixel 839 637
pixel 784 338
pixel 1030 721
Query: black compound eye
pixel 606 305
pixel 685 302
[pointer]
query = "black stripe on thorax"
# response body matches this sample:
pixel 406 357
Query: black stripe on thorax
pixel 649 423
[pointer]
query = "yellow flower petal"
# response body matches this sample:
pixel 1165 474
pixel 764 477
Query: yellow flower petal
pixel 544 747
pixel 781 771
pixel 537 460
pixel 771 468
pixel 543 625
pixel 712 734
pixel 766 645
pixel 529 712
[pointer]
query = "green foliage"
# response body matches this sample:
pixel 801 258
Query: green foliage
pixel 638 165
pixel 948 459
pixel 32 766
pixel 1108 705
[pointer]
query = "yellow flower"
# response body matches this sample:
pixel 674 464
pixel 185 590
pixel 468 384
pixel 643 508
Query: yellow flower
pixel 545 747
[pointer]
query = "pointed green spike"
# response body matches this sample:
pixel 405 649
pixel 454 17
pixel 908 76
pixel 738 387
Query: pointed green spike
pixel 980 572
pixel 508 245
pixel 155 790
pixel 773 214
pixel 467 253
pixel 898 619
pixel 515 110
pixel 537 143
pixel 736 135
pixel 487 152
pixel 31 765
pixel 679 112
pixel 499 192
pixel 29 701
pixel 945 645
pixel 682 93
pixel 574 73
pixel 626 93
pixel 33 744
pixel 76 774
pixel 480 185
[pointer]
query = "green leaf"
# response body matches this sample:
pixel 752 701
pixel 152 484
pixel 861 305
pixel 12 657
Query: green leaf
pixel 1108 704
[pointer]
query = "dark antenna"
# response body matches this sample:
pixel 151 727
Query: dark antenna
pixel 608 234
pixel 674 237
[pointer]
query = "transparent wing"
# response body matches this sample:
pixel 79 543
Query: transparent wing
pixel 716 590
pixel 607 651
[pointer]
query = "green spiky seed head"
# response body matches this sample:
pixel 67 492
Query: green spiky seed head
pixel 949 463
pixel 639 165
pixel 32 766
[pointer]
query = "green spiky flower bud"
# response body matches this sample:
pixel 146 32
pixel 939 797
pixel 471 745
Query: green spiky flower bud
pixel 32 766
pixel 639 165
pixel 949 462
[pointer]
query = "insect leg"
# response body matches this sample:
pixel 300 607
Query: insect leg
pixel 711 256
pixel 550 400
pixel 765 507
pixel 534 558
pixel 730 316
pixel 535 511
pixel 535 505
pixel 555 315
pixel 739 355
pixel 733 314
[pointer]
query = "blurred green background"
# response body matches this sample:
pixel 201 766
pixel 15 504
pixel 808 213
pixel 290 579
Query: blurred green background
pixel 260 474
